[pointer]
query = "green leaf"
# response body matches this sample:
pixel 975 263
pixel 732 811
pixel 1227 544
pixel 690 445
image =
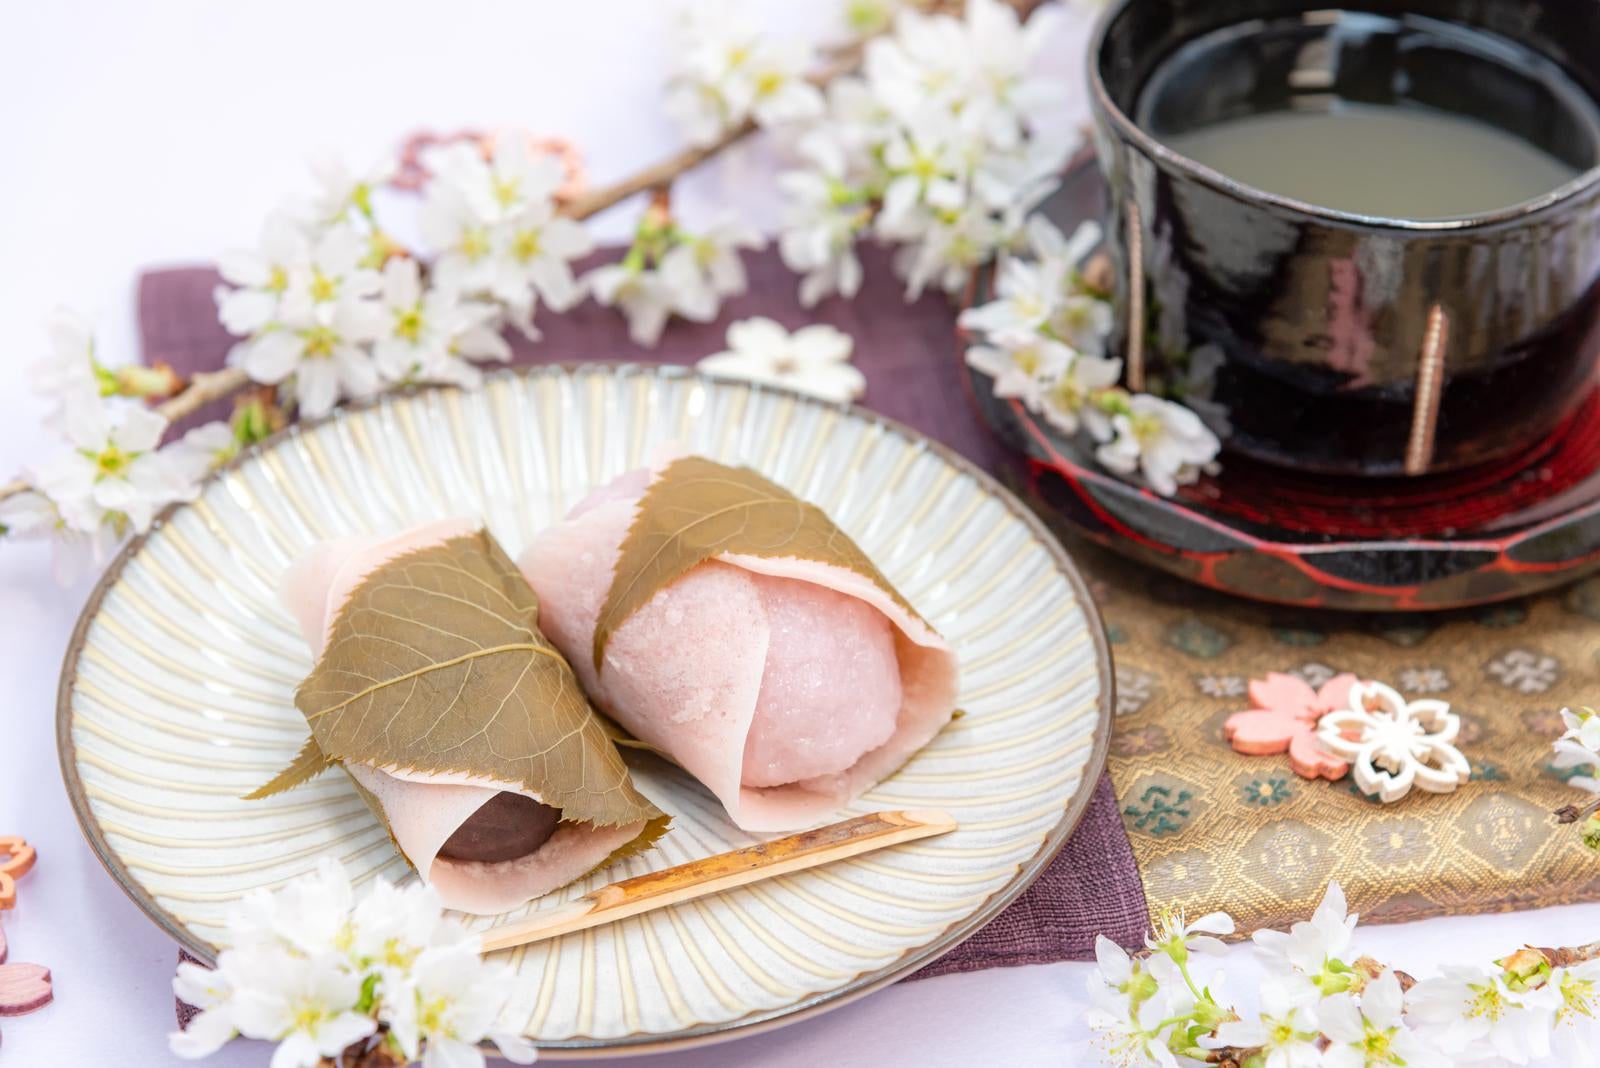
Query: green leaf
pixel 696 509
pixel 436 665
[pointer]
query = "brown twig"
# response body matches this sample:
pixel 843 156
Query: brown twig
pixel 1567 956
pixel 1572 813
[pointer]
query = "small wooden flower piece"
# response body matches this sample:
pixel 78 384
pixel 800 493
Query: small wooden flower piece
pixel 1394 745
pixel 23 987
pixel 1285 718
pixel 19 857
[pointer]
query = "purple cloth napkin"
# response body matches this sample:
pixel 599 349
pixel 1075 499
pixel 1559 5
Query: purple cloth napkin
pixel 908 353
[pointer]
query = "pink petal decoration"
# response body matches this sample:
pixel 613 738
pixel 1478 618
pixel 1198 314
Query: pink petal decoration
pixel 1335 693
pixel 1285 720
pixel 23 988
pixel 1282 692
pixel 1262 731
pixel 1309 760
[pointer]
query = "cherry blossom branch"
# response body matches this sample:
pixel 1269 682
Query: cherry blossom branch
pixel 1529 962
pixel 205 387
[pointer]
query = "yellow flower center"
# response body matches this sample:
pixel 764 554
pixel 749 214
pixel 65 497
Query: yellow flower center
pixel 475 243
pixel 1146 428
pixel 320 341
pixel 1066 395
pixel 307 1016
pixel 506 191
pixel 1487 1002
pixel 278 280
pixel 1027 360
pixel 525 246
pixel 1577 996
pixel 1377 1045
pixel 408 323
pixel 431 1016
pixel 398 954
pixel 323 288
pixel 768 82
pixel 111 463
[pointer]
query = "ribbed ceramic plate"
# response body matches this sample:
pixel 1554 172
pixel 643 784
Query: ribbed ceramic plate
pixel 176 697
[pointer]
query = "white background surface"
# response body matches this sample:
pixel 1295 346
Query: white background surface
pixel 161 132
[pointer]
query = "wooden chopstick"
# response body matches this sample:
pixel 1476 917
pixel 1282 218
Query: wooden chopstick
pixel 713 875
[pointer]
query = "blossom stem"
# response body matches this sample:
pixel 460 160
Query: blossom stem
pixel 1183 970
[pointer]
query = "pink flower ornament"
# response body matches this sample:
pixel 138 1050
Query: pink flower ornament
pixel 1284 719
pixel 23 987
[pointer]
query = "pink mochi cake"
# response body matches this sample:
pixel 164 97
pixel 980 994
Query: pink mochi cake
pixel 785 685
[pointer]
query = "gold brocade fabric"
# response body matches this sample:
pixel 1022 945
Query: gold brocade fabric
pixel 1214 829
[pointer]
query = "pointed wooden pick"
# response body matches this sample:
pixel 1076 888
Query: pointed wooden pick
pixel 713 875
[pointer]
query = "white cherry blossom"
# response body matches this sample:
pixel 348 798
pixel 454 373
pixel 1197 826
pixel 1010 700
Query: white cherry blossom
pixel 1028 294
pixel 1165 443
pixel 1578 988
pixel 645 298
pixel 1314 948
pixel 1580 745
pixel 332 274
pixel 727 71
pixel 461 242
pixel 1025 366
pixel 259 278
pixel 447 1004
pixel 510 179
pixel 1003 53
pixel 1068 402
pixel 814 359
pixel 952 245
pixel 343 190
pixel 70 371
pixel 115 472
pixel 1370 1032
pixel 717 252
pixel 1286 1031
pixel 532 254
pixel 1172 934
pixel 316 970
pixel 307 1004
pixel 1467 1008
pixel 324 347
pixel 203 449
pixel 431 334
pixel 822 216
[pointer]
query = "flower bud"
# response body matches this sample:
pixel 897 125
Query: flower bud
pixel 1525 969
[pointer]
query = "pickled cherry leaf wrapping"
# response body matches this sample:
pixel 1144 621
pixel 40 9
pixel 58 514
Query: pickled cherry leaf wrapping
pixel 306 765
pixel 436 665
pixel 696 509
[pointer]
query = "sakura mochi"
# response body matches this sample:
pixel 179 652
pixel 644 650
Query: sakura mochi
pixel 463 729
pixel 733 627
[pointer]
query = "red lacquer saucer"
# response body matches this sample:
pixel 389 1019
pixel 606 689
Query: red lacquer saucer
pixel 1504 529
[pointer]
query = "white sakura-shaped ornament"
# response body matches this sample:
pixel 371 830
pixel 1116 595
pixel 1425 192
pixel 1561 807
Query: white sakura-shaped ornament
pixel 1393 745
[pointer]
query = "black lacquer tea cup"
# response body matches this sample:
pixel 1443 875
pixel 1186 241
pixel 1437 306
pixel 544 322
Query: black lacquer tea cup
pixel 1345 339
